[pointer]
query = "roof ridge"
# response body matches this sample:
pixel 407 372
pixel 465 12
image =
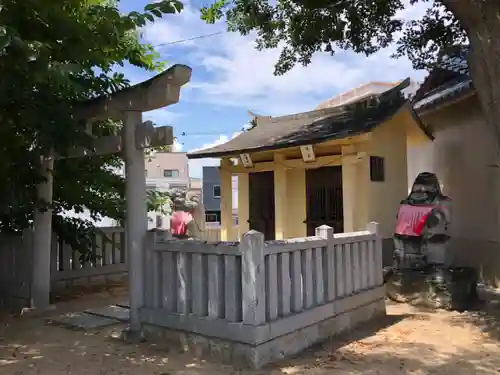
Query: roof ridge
pixel 354 94
pixel 318 113
pixel 296 133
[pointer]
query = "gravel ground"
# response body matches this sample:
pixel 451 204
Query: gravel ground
pixel 408 341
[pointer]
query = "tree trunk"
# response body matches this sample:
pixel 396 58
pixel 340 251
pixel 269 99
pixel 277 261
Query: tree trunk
pixel 481 20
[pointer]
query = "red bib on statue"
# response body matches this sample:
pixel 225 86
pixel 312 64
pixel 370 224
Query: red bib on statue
pixel 411 219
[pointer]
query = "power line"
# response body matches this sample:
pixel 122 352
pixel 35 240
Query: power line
pixel 341 2
pixel 184 134
pixel 189 39
pixel 226 31
pixel 220 32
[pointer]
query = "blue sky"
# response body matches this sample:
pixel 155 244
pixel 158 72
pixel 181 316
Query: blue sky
pixel 230 77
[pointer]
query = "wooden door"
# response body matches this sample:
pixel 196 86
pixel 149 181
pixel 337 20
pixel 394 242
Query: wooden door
pixel 261 203
pixel 324 199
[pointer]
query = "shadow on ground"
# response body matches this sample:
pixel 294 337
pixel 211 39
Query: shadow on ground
pixel 72 292
pixel 391 351
pixel 410 358
pixel 485 315
pixel 405 342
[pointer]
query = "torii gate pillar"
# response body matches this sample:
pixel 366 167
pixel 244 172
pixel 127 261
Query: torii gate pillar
pixel 42 238
pixel 136 224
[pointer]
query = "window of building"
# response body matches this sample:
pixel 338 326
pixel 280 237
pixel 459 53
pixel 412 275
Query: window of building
pixel 170 173
pixel 216 191
pixel 211 218
pixel 146 172
pixel 377 170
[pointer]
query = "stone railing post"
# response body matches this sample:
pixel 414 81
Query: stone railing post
pixel 373 227
pixel 253 278
pixel 326 232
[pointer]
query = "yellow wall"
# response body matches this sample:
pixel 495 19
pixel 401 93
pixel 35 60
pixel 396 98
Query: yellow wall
pixel 363 200
pixel 361 187
pixel 243 209
pixel 354 189
pixel 389 142
pixel 349 196
pixel 296 194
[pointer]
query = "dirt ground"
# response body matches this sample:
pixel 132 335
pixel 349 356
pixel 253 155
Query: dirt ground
pixel 408 341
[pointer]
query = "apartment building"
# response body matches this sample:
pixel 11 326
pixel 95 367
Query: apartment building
pixel 164 171
pixel 211 194
pixel 167 170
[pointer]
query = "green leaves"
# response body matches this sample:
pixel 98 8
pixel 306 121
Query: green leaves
pixel 425 39
pixel 164 7
pixel 159 201
pixel 51 59
pixel 5 38
pixel 165 202
pixel 314 26
pixel 214 12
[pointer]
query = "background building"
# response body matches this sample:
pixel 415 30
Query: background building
pixel 211 195
pixel 167 170
pixel 164 171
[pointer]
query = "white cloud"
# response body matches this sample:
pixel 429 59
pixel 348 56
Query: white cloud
pixel 236 74
pixel 162 116
pixel 196 165
pixel 177 146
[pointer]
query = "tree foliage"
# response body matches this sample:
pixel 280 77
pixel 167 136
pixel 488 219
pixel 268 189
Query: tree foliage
pixel 302 28
pixel 52 58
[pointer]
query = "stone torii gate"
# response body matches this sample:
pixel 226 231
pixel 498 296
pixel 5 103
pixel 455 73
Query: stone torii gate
pixel 128 105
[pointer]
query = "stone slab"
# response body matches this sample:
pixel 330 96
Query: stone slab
pixel 113 312
pixel 355 313
pixel 82 321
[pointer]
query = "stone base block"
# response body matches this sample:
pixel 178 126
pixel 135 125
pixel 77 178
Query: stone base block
pixel 256 356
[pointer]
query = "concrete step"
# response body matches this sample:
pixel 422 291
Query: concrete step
pixel 82 321
pixel 113 312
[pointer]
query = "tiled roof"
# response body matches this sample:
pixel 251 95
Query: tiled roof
pixel 311 127
pixel 453 86
pixel 456 61
pixel 447 91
